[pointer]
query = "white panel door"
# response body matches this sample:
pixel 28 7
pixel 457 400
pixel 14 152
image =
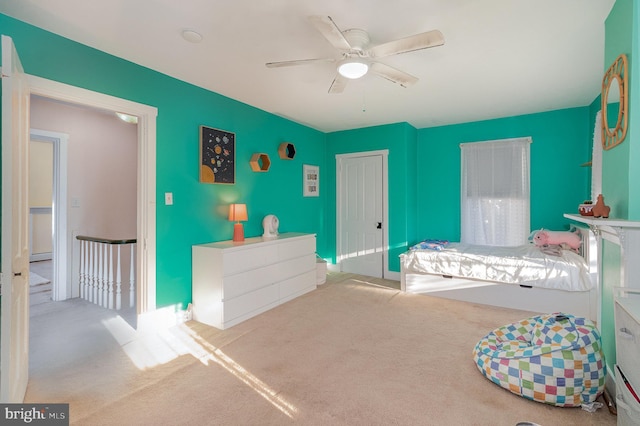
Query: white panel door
pixel 14 339
pixel 360 203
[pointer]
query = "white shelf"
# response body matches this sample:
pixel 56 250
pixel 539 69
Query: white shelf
pixel 599 221
pixel 622 232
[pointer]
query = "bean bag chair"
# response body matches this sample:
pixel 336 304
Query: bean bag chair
pixel 556 359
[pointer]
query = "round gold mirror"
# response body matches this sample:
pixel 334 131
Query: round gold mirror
pixel 614 103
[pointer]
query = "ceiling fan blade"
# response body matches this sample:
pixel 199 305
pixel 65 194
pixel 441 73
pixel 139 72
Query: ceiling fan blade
pixel 408 44
pixel 330 31
pixel 297 62
pixel 338 85
pixel 392 74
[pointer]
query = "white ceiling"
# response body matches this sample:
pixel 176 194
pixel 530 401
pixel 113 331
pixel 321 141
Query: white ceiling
pixel 500 57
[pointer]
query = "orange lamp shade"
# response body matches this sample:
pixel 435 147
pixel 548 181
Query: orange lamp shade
pixel 237 213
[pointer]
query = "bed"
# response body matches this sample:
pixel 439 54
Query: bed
pixel 522 277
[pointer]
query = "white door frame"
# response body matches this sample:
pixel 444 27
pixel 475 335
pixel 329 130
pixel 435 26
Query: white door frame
pixel 146 176
pixel 385 204
pixel 60 149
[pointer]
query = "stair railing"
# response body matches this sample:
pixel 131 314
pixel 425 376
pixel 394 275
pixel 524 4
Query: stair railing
pixel 101 272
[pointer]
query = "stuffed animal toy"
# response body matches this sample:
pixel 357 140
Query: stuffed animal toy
pixel 600 209
pixel 545 237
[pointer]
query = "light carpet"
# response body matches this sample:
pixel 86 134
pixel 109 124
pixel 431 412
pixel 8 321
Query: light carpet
pixel 349 353
pixel 35 279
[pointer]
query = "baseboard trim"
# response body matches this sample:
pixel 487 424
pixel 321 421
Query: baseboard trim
pixel 392 275
pixel 388 275
pixel 162 318
pixel 37 257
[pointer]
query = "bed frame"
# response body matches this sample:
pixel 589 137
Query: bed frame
pixel 539 300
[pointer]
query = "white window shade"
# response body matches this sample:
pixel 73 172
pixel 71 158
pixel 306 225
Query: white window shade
pixel 495 203
pixel 596 159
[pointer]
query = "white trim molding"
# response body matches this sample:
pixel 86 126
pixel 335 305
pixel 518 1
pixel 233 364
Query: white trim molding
pixel 61 289
pixel 146 179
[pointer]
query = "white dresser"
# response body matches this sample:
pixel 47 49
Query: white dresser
pixel 234 281
pixel 627 319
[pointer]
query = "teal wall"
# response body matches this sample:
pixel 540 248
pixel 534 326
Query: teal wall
pixel 634 117
pixel 611 259
pixel 400 140
pixel 561 143
pixel 620 165
pixel 199 211
pixel 424 171
pixel 615 162
pixel 424 164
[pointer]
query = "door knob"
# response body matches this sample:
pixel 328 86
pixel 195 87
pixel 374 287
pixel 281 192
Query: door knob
pixel 379 225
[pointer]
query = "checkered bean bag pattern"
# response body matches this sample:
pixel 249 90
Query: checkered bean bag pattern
pixel 556 359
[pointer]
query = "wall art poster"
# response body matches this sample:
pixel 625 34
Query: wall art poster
pixel 217 156
pixel 311 180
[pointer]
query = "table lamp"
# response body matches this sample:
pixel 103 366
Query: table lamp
pixel 237 213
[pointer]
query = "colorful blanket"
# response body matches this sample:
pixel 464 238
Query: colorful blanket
pixel 430 245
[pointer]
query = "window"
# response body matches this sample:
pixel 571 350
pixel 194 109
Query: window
pixel 495 192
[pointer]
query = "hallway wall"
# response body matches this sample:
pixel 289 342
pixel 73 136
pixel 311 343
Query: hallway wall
pixel 101 175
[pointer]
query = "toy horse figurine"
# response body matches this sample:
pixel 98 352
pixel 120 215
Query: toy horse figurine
pixel 600 209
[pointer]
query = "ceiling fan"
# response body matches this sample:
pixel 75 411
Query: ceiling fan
pixel 357 58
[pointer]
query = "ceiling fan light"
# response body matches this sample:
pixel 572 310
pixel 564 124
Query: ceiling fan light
pixel 353 69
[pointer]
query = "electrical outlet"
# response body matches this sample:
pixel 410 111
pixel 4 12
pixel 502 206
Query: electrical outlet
pixel 168 198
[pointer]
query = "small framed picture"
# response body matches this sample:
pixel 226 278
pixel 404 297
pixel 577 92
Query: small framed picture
pixel 217 156
pixel 311 181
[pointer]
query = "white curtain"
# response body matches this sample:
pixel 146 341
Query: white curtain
pixel 596 159
pixel 495 192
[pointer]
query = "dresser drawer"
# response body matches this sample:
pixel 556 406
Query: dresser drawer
pixel 247 304
pixel 248 259
pixel 246 282
pixel 294 287
pixel 296 248
pixel 628 345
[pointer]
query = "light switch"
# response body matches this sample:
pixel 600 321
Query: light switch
pixel 168 198
pixel 75 202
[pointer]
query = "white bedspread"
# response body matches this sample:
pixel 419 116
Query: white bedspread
pixel 525 265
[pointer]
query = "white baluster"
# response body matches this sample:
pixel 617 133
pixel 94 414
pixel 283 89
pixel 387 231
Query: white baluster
pixel 119 281
pixel 82 273
pixel 111 276
pixel 94 273
pixel 132 280
pixel 105 276
pixel 86 270
pixel 87 264
pixel 98 300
